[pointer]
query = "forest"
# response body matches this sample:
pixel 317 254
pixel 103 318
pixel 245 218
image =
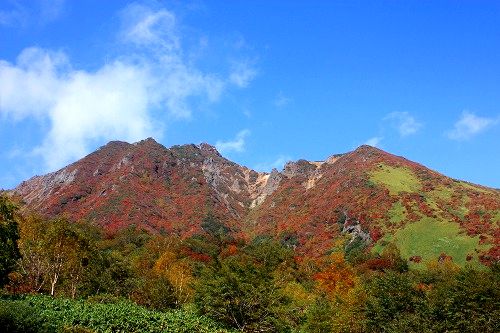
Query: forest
pixel 59 275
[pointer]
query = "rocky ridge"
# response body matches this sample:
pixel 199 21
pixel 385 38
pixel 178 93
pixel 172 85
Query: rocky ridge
pixel 374 194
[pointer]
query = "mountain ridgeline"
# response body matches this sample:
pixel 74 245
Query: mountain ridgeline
pixel 367 197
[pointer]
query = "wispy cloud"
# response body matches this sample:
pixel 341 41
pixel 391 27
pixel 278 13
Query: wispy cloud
pixel 281 100
pixel 404 123
pixel 15 15
pixel 115 101
pixel 277 163
pixel 242 73
pixel 145 27
pixel 51 10
pixel 374 142
pixel 470 125
pixel 19 13
pixel 401 122
pixel 237 144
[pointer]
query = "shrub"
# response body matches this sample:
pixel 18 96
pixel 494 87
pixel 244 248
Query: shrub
pixel 17 316
pixel 47 314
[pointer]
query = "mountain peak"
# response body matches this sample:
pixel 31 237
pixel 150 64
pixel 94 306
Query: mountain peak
pixel 366 152
pixel 115 144
pixel 147 141
pixel 172 189
pixel 368 149
pixel 209 149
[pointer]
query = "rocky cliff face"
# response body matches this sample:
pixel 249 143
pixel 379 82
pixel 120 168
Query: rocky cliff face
pixel 367 195
pixel 149 185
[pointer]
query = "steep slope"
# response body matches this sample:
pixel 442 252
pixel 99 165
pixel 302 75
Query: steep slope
pixel 368 196
pixel 146 184
pixel 373 197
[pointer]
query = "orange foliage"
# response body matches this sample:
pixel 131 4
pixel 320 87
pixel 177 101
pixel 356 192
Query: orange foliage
pixel 338 277
pixel 178 273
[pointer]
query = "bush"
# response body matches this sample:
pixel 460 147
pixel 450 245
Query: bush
pixel 18 316
pixel 46 314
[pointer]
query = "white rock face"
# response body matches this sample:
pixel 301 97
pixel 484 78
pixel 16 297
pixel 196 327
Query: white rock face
pixel 244 182
pixel 39 187
pixel 265 186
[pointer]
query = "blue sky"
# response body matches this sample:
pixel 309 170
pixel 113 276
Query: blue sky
pixel 264 81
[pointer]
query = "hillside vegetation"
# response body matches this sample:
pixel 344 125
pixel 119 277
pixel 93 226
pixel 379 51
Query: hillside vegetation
pixel 373 194
pixel 139 237
pixel 47 314
pixel 71 277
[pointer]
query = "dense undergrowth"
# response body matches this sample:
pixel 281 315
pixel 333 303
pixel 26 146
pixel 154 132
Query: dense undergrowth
pixel 38 313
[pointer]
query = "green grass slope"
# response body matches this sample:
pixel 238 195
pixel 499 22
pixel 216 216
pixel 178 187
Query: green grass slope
pixel 432 217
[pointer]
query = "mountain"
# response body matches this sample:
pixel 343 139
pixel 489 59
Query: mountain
pixel 368 197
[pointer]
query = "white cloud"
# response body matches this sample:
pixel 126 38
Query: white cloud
pixel 374 142
pixel 281 100
pixel 115 101
pixel 469 125
pixel 81 106
pixel 404 122
pixel 278 164
pixel 235 145
pixel 143 26
pixel 242 74
pixel 31 86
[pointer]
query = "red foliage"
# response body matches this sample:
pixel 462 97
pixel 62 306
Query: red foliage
pixel 166 190
pixel 378 264
pixel 443 257
pixel 416 259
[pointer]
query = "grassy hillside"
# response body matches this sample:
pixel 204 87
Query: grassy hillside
pixel 429 239
pixel 426 214
pixel 439 221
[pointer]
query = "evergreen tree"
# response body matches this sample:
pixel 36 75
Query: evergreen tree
pixel 9 234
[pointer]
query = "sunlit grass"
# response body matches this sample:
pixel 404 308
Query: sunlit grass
pixel 428 238
pixel 395 179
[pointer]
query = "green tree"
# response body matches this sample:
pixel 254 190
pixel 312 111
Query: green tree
pixel 56 253
pixel 319 316
pixel 394 303
pixel 9 235
pixel 470 302
pixel 155 292
pixel 269 252
pixel 247 289
pixel 243 293
pixel 109 272
pixel 67 251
